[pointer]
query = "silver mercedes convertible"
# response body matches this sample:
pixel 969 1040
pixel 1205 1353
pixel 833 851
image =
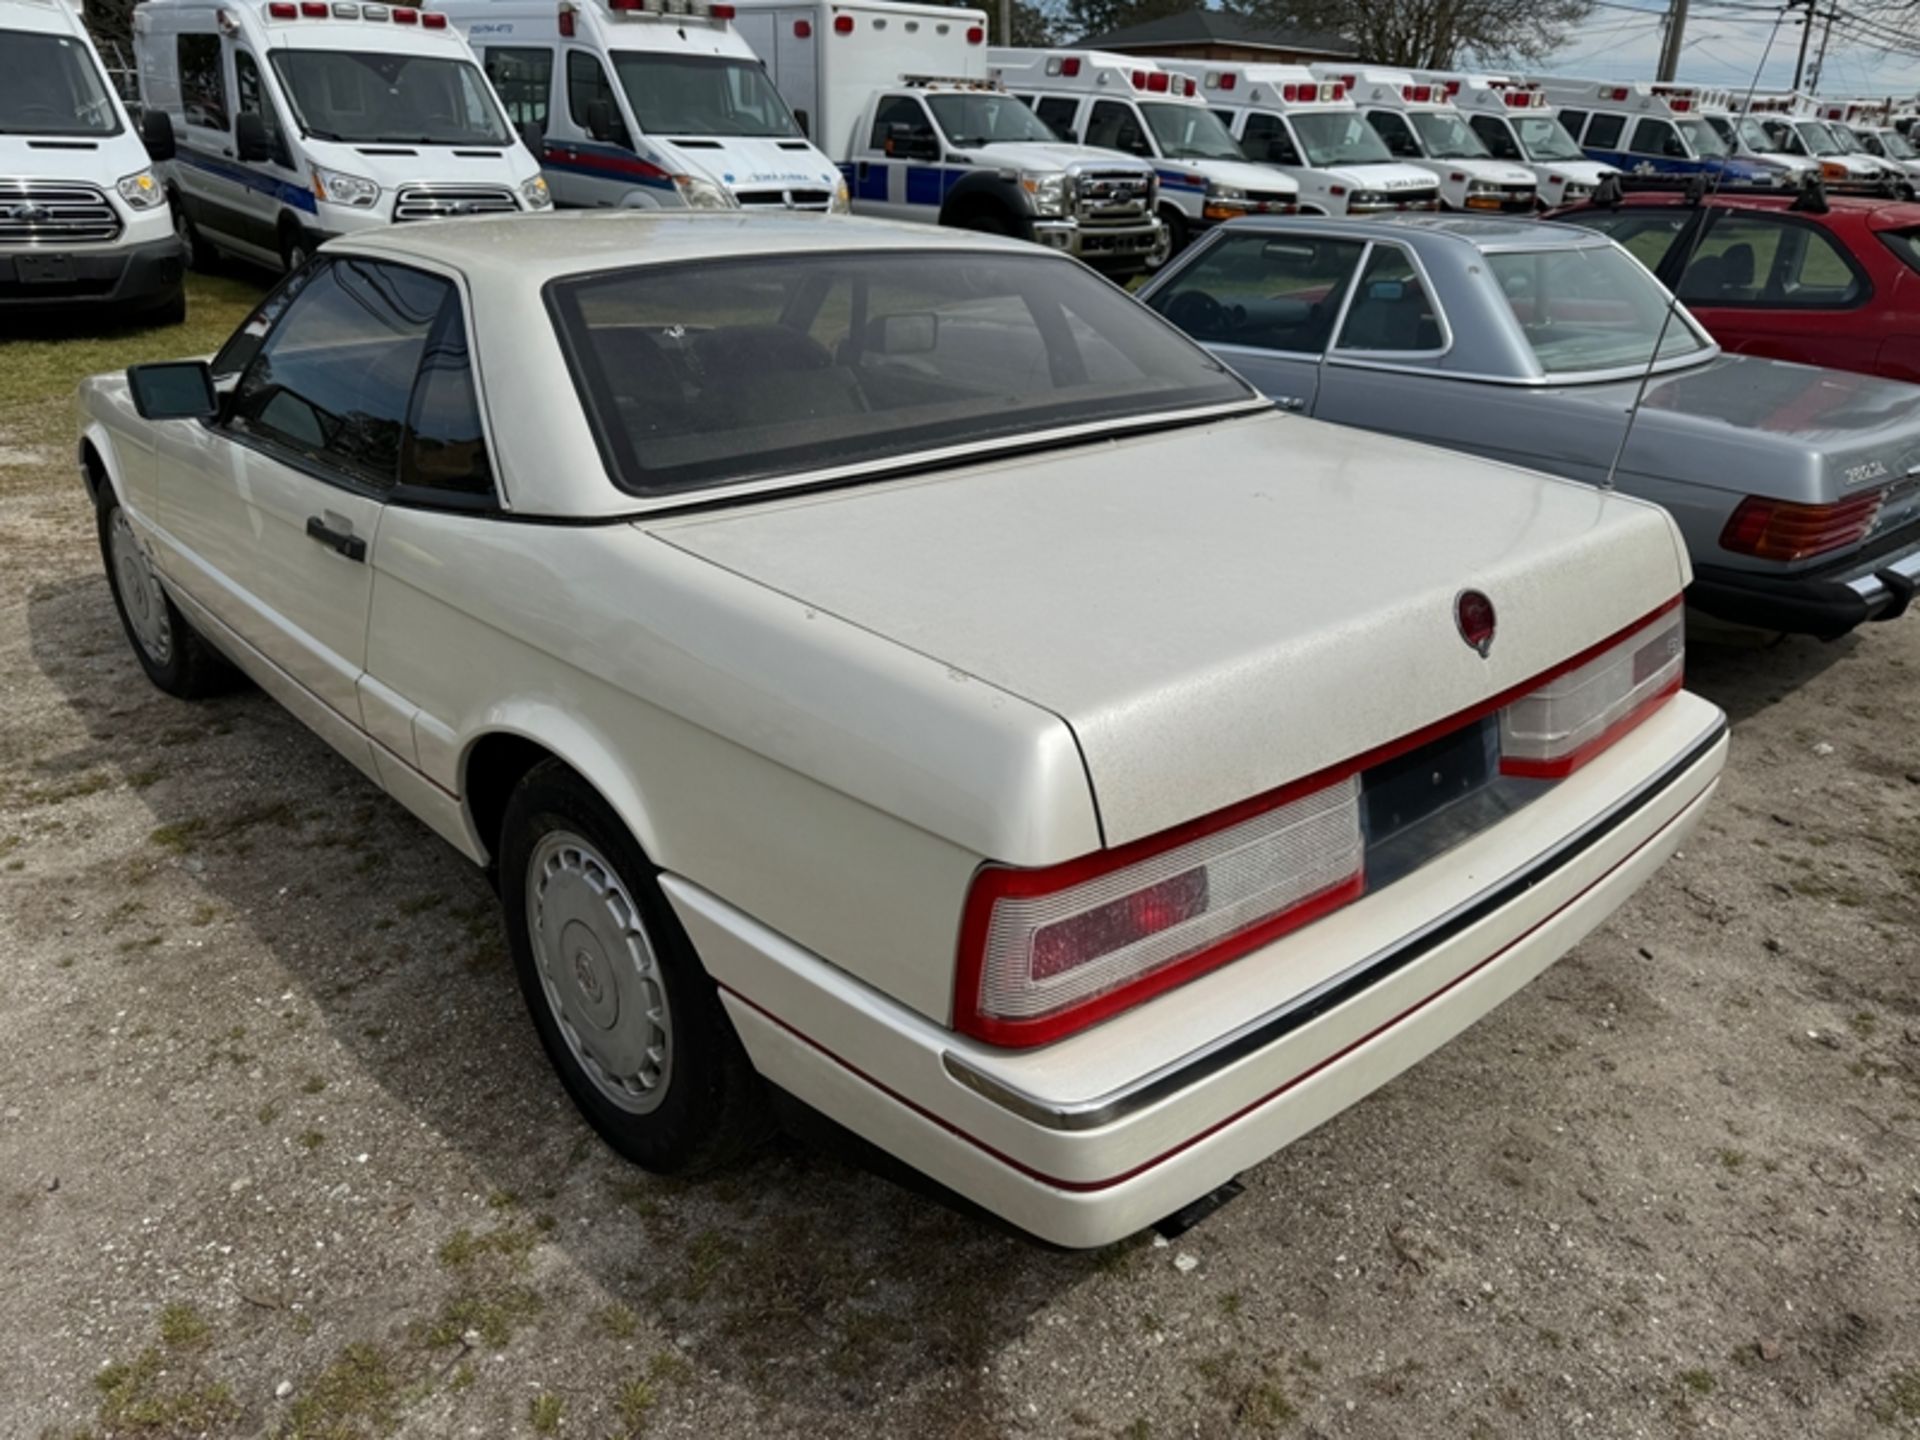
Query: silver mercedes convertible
pixel 1798 489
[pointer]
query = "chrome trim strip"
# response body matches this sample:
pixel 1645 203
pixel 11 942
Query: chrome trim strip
pixel 1263 1030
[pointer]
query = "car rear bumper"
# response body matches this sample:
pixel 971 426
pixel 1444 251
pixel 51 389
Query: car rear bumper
pixel 1090 1139
pixel 134 275
pixel 1875 584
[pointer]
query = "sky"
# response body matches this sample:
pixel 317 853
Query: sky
pixel 1725 40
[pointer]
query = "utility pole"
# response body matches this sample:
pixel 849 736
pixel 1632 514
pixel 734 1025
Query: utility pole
pixel 1806 34
pixel 1820 64
pixel 1005 37
pixel 1670 45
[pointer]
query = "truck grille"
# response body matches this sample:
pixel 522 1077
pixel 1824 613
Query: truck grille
pixel 1112 197
pixel 785 199
pixel 439 202
pixel 55 212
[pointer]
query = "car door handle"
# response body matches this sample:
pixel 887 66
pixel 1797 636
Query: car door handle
pixel 345 541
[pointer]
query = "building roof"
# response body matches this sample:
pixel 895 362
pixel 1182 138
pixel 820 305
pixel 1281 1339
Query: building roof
pixel 1215 27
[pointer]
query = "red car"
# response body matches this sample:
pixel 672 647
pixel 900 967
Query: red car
pixel 1769 276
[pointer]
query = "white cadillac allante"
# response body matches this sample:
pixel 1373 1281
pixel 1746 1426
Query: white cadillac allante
pixel 892 666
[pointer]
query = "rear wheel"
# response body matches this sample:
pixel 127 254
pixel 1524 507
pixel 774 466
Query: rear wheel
pixel 1176 224
pixel 624 1009
pixel 168 648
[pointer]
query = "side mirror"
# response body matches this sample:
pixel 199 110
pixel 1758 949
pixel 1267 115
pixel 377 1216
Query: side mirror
pixel 156 133
pixel 534 139
pixel 601 124
pixel 250 136
pixel 173 390
pixel 907 142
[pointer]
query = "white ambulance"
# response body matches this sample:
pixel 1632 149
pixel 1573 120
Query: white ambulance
pixel 1139 107
pixel 84 219
pixel 1516 122
pixel 1657 134
pixel 296 120
pixel 898 96
pixel 653 104
pixel 1419 124
pixel 1285 117
pixel 1790 121
pixel 1869 125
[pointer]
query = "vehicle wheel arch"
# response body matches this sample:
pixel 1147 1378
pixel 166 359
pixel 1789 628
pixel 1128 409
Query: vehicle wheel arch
pixel 97 472
pixel 493 763
pixel 987 193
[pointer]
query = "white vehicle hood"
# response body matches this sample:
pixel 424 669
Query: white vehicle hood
pixel 1390 176
pixel 103 160
pixel 1241 174
pixel 1500 172
pixel 749 162
pixel 1211 631
pixel 1042 157
pixel 1579 172
pixel 393 165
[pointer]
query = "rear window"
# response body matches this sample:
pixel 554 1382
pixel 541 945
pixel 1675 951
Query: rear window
pixel 1590 309
pixel 722 372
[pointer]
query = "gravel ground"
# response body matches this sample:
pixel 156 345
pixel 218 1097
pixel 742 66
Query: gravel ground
pixel 279 1154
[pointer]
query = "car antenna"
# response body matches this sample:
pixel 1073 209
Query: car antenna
pixel 1693 243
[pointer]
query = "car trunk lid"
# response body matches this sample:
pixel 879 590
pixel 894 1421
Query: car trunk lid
pixel 1216 609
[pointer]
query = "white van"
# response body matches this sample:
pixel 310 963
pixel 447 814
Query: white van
pixel 1868 124
pixel 1657 134
pixel 1285 117
pixel 83 217
pixel 1795 130
pixel 297 120
pixel 1140 107
pixel 645 106
pixel 1515 121
pixel 1419 124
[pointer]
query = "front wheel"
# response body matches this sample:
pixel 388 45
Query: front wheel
pixel 168 648
pixel 624 1009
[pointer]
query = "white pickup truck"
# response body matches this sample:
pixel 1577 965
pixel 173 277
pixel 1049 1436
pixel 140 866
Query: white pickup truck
pixel 899 96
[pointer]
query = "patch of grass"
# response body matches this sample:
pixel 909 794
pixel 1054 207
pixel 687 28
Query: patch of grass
pixel 267 1113
pixel 358 1395
pixel 493 1312
pixel 509 1241
pixel 152 1396
pixel 1864 1024
pixel 619 1321
pixel 502 1200
pixel 179 837
pixel 463 1379
pixel 312 1085
pixel 707 1255
pixel 1230 1302
pixel 668 1367
pixel 544 1412
pixel 1699 1380
pixel 142 779
pixel 312 1139
pixel 1730 1159
pixel 635 1399
pixel 203 915
pixel 1901 1398
pixel 183 1327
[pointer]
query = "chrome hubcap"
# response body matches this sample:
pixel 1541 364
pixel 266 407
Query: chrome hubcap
pixel 140 593
pixel 598 972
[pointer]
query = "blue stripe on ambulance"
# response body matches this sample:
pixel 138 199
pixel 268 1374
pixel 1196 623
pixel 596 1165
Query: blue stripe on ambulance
pixel 281 190
pixel 1630 165
pixel 1181 180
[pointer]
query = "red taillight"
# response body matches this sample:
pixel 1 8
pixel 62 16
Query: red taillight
pixel 1070 66
pixel 404 15
pixel 1680 107
pixel 313 9
pixel 1228 80
pixel 433 20
pixel 843 24
pixel 802 30
pixel 1046 952
pixel 976 35
pixel 1139 79
pixel 1783 530
pixel 1157 82
pixel 721 12
pixel 1516 99
pixel 283 10
pixel 566 22
pixel 1473 613
pixel 1585 706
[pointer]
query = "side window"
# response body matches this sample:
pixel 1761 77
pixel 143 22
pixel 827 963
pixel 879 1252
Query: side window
pixel 1759 260
pixel 250 98
pixel 244 343
pixel 1657 137
pixel 1059 112
pixel 897 110
pixel 1114 126
pixel 1495 134
pixel 523 79
pixel 1647 234
pixel 1394 133
pixel 332 383
pixel 1603 132
pixel 1574 120
pixel 1391 311
pixel 1268 292
pixel 446 447
pixel 203 80
pixel 1266 139
pixel 590 98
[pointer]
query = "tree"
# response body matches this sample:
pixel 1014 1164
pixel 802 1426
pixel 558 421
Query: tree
pixel 1081 18
pixel 1432 34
